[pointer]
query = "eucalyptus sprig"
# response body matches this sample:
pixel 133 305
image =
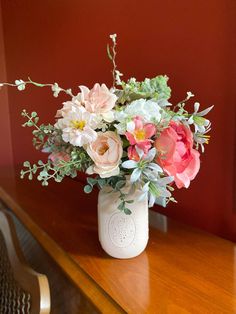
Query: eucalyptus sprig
pixel 57 170
pixel 40 132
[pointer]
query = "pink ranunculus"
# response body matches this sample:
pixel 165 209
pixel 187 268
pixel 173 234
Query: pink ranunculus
pixel 176 154
pixel 106 152
pixel 98 100
pixel 140 134
pixel 56 157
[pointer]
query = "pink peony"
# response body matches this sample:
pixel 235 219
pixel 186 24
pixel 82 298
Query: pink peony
pixel 106 152
pixel 99 99
pixel 176 154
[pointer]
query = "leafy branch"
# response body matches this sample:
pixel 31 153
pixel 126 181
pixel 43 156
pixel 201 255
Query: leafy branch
pixel 39 132
pixel 57 170
pixel 49 171
pixel 21 85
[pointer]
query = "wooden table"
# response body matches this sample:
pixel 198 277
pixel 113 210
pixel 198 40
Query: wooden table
pixel 183 270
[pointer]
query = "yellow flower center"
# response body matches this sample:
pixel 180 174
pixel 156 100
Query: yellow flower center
pixel 78 124
pixel 140 135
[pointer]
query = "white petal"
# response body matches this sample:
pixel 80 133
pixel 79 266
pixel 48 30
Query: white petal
pixel 90 170
pixel 155 167
pixel 204 112
pixel 146 187
pixel 164 181
pixel 130 126
pixel 190 120
pixel 140 152
pixel 161 201
pixel 196 107
pixel 151 154
pixel 135 175
pixel 151 200
pixel 129 164
pixel 108 116
pixel 109 174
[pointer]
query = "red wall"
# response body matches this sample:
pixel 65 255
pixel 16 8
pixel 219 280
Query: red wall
pixel 193 42
pixel 6 157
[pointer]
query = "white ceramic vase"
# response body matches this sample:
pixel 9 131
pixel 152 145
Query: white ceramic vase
pixel 121 235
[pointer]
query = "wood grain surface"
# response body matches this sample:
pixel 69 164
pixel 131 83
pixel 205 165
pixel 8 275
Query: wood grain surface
pixel 183 270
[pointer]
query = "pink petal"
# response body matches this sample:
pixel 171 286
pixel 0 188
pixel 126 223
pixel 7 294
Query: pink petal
pixel 166 143
pixel 84 92
pixel 132 153
pixel 130 138
pixel 150 130
pixel 194 165
pixel 138 122
pixel 144 145
pixel 182 180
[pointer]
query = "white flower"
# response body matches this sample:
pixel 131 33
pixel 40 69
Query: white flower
pixel 56 89
pixel 145 166
pixel 118 75
pixel 200 123
pixel 68 106
pixel 149 110
pixel 78 127
pixel 20 84
pixel 113 37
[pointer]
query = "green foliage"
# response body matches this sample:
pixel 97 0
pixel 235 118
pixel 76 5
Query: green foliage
pixel 41 132
pixel 57 170
pixel 32 119
pixel 155 88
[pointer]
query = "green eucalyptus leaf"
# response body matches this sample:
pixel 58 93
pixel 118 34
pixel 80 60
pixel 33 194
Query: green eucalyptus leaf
pixel 36 120
pixel 121 206
pixel 29 123
pixel 101 183
pixel 127 211
pixel 26 164
pixel 92 181
pixel 120 184
pixel 33 114
pixel 130 201
pixel 88 189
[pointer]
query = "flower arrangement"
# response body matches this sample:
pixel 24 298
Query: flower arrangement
pixel 127 133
